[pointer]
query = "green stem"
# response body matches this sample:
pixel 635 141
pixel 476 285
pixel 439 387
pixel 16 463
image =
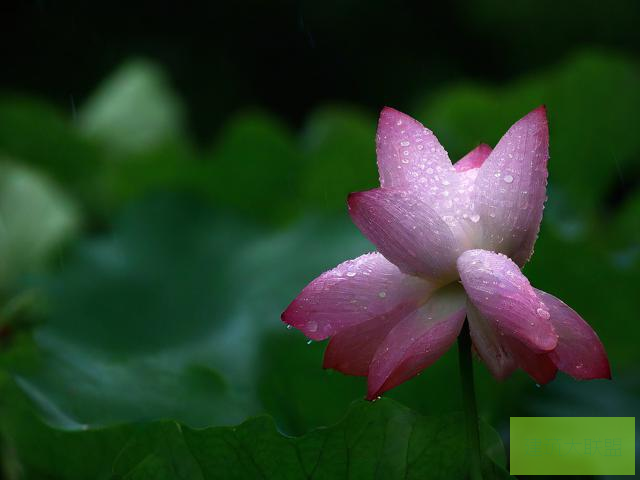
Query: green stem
pixel 469 400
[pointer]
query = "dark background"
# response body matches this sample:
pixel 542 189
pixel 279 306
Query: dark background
pixel 290 57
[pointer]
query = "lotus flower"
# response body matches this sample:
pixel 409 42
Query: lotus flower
pixel 451 242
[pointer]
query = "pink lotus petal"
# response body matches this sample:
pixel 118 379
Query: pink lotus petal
pixel 410 158
pixel 351 350
pixel 504 296
pixel 474 159
pixel 509 191
pixel 406 231
pixel 417 341
pixel 539 366
pixel 503 354
pixel 579 352
pixel 489 345
pixel 353 292
pixel 406 150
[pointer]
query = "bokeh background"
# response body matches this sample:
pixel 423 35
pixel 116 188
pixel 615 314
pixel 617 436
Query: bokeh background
pixel 172 175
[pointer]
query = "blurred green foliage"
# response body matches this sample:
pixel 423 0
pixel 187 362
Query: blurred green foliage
pixel 364 444
pixel 35 217
pixel 133 110
pixel 166 304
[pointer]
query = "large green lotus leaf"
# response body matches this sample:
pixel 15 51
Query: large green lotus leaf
pixel 254 167
pixel 132 110
pixel 338 143
pixel 176 315
pixel 34 450
pixel 374 440
pixel 138 319
pixel 592 136
pixel 36 218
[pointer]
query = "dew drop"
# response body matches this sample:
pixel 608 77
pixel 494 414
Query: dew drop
pixel 429 170
pixel 405 152
pixel 351 274
pixel 404 144
pixel 309 342
pixel 382 294
pixel 289 327
pixel 475 218
pixel 508 179
pixel 542 313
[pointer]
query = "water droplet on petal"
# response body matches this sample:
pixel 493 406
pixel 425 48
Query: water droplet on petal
pixel 542 313
pixel 475 218
pixel 508 179
pixel 382 294
pixel 404 144
pixel 351 274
